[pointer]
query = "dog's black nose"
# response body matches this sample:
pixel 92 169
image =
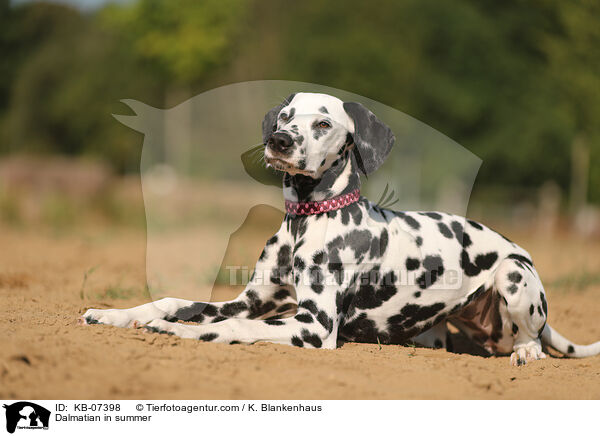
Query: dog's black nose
pixel 280 141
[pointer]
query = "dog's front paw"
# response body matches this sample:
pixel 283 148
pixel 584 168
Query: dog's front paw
pixel 525 353
pixel 115 317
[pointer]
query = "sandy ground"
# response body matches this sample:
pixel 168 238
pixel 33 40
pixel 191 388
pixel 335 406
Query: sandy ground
pixel 44 354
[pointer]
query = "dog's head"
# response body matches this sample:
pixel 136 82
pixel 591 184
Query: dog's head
pixel 308 132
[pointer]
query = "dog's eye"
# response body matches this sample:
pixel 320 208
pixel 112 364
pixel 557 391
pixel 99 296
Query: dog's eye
pixel 324 124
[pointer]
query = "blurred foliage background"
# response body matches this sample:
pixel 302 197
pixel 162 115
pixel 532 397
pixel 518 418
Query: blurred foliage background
pixel 516 82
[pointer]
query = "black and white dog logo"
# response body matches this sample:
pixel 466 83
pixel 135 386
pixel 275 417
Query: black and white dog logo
pixel 26 415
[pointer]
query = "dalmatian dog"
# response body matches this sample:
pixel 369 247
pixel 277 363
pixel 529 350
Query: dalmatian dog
pixel 341 268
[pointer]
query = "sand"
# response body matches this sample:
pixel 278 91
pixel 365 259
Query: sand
pixel 44 354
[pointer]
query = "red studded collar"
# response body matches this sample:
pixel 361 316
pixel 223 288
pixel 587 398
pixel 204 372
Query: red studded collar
pixel 318 207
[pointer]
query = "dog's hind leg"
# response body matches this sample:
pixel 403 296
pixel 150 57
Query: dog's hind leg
pixel 524 307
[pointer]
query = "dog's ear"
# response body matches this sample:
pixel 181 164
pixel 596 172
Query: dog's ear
pixel 270 120
pixel 373 140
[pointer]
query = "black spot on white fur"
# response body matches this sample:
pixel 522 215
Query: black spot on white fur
pixel 434 268
pixel 482 262
pixel 445 230
pixel 412 263
pixel 514 276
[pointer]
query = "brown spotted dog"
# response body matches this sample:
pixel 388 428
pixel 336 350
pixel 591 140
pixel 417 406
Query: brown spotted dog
pixel 348 270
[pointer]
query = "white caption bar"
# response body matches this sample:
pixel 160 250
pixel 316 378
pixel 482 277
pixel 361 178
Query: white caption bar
pixel 289 417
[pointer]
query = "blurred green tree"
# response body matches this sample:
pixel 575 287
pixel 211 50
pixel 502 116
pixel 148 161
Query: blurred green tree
pixel 495 76
pixel 184 40
pixel 75 68
pixel 517 82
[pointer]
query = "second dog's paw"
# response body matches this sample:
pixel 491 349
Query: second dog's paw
pixel 173 328
pixel 159 326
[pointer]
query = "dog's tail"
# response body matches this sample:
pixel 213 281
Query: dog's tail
pixel 554 339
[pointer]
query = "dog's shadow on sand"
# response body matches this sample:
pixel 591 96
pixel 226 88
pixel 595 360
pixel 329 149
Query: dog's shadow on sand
pixel 461 344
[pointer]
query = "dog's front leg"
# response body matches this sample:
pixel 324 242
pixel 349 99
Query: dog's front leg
pixel 269 293
pixel 314 325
